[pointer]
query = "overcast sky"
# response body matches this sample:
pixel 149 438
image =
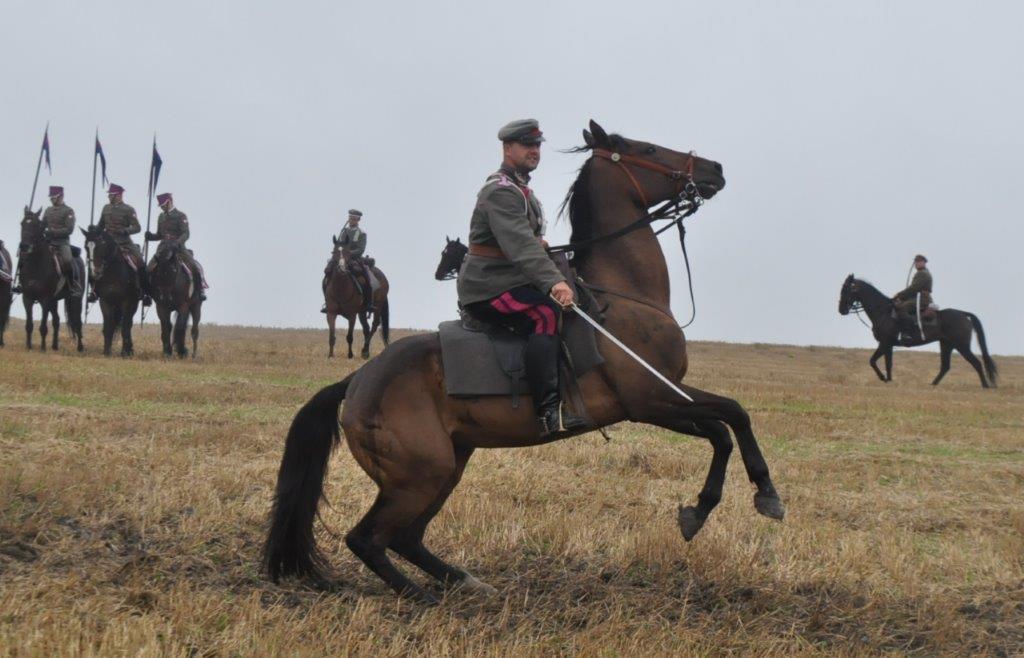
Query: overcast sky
pixel 853 135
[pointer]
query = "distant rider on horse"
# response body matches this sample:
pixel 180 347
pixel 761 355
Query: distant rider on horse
pixel 172 228
pixel 120 222
pixel 59 220
pixel 508 279
pixel 352 240
pixel 906 300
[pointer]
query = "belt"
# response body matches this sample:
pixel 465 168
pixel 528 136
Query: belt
pixel 487 251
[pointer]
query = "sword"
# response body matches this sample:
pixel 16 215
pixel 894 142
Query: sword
pixel 636 357
pixel 920 325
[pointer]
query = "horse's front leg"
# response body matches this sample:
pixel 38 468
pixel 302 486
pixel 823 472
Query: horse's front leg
pixel 55 314
pixel 881 351
pixel 165 328
pixel 44 313
pixel 888 362
pixel 127 319
pixel 367 335
pixel 348 337
pixel 109 326
pixel 180 326
pixel 29 325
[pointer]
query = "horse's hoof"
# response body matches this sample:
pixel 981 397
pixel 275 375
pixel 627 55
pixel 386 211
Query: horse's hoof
pixel 472 585
pixel 421 596
pixel 690 522
pixel 770 506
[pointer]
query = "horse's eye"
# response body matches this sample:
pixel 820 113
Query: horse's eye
pixel 650 150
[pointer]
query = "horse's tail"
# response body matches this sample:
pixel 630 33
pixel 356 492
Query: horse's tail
pixel 990 365
pixel 290 548
pixel 385 321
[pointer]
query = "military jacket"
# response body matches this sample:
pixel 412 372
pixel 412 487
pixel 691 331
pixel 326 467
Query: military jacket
pixel 921 283
pixel 173 226
pixel 508 216
pixel 353 239
pixel 60 222
pixel 120 221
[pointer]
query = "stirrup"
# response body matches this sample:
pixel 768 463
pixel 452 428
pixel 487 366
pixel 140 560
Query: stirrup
pixel 553 421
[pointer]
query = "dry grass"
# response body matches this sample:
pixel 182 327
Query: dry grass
pixel 133 496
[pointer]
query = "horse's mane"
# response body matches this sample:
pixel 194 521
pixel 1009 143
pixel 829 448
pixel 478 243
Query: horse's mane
pixel 576 204
pixel 868 286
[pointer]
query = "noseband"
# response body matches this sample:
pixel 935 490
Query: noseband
pixel 682 180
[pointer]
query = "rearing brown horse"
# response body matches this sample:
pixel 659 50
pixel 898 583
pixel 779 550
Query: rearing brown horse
pixel 415 441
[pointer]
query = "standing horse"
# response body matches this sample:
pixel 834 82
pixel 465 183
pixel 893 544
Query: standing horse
pixel 117 285
pixel 414 440
pixel 42 283
pixel 452 255
pixel 6 297
pixel 953 332
pixel 176 291
pixel 343 297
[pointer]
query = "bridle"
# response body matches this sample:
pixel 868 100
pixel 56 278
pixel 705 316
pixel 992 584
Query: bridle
pixel 685 201
pixel 681 179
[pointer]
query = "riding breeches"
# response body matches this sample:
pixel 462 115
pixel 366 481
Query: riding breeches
pixel 524 310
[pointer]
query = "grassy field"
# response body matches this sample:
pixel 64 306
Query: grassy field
pixel 133 495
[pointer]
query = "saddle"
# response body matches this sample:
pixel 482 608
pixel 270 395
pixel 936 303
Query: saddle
pixel 480 359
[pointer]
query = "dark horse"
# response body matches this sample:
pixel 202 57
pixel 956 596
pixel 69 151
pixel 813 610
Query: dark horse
pixel 43 283
pixel 6 283
pixel 953 331
pixel 116 284
pixel 452 255
pixel 343 297
pixel 177 293
pixel 414 441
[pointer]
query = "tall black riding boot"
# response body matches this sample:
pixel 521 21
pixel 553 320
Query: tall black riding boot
pixel 541 361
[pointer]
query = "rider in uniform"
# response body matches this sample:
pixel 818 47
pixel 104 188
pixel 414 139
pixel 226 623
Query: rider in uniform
pixel 119 220
pixel 906 299
pixel 59 223
pixel 172 227
pixel 352 239
pixel 508 279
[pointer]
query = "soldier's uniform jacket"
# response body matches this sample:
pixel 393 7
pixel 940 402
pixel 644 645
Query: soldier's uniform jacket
pixel 921 283
pixel 120 221
pixel 353 240
pixel 173 226
pixel 60 223
pixel 507 216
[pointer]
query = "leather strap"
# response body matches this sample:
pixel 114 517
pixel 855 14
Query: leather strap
pixel 487 251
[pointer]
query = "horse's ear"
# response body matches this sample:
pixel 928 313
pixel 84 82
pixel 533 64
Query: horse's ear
pixel 459 240
pixel 600 136
pixel 447 239
pixel 334 239
pixel 588 138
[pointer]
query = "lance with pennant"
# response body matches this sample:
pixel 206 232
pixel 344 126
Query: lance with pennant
pixel 154 175
pixel 43 151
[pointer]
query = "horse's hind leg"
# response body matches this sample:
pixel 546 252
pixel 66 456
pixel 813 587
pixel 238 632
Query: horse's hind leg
pixel 409 542
pixel 691 519
pixel 394 510
pixel 332 320
pixel 965 351
pixel 944 358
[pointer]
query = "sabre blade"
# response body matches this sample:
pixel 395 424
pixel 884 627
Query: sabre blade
pixel 636 357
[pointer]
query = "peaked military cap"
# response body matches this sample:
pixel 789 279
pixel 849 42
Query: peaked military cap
pixel 524 131
pixel 355 213
pixel 115 189
pixel 56 190
pixel 163 198
pixel 920 257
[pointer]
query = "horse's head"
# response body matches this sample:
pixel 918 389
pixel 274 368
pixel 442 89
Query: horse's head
pixel 846 295
pixel 654 173
pixel 452 255
pixel 32 228
pixel 339 255
pixel 99 247
pixel 167 258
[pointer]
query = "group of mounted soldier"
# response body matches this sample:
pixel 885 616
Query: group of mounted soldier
pixel 46 281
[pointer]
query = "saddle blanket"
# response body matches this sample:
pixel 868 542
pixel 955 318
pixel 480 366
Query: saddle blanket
pixel 489 361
